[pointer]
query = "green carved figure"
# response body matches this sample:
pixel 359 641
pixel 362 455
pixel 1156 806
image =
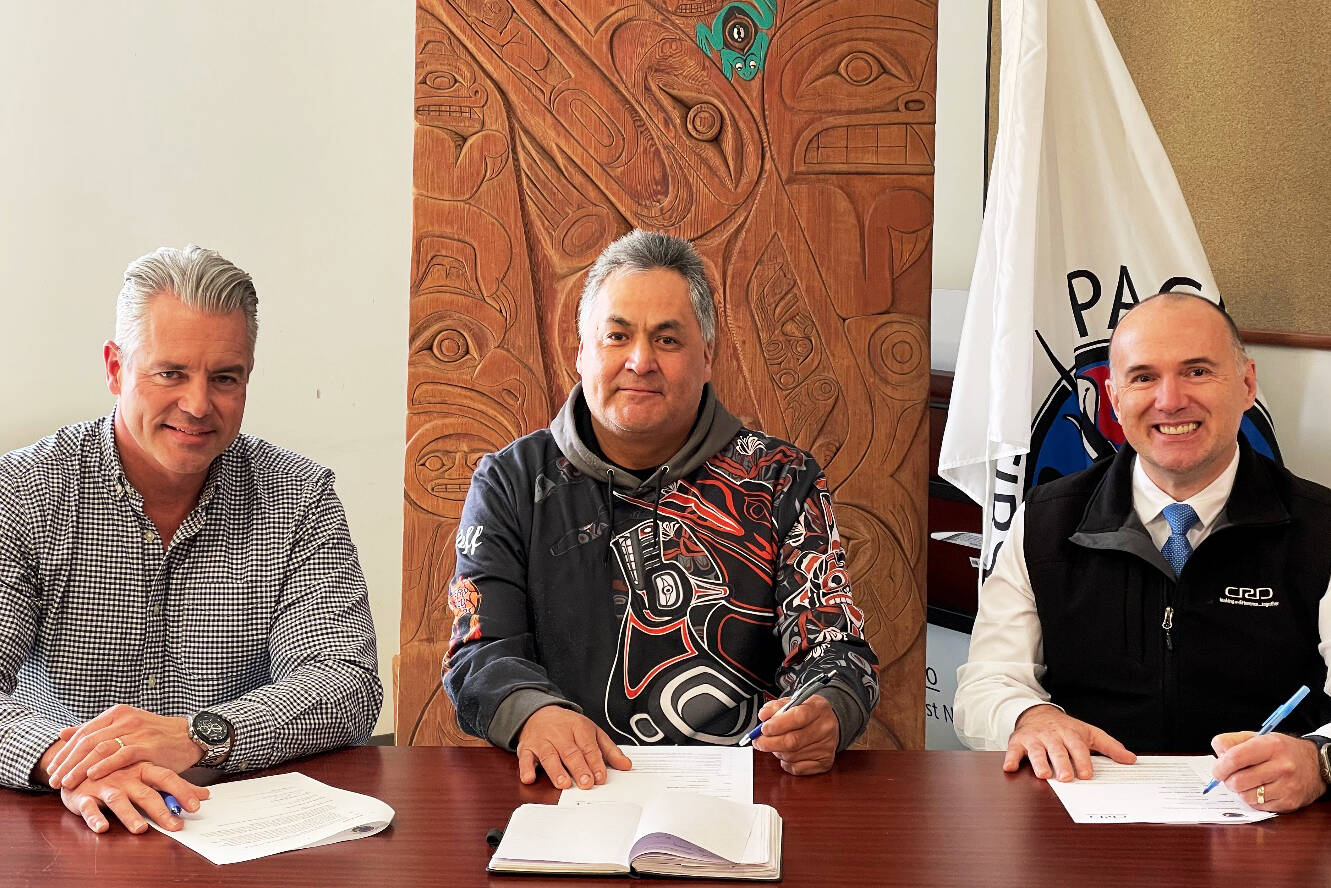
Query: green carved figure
pixel 738 31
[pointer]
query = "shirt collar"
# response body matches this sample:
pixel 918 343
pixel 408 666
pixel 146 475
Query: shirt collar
pixel 1149 500
pixel 114 470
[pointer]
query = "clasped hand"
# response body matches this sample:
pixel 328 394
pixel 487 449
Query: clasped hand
pixel 130 793
pixel 119 737
pixel 123 760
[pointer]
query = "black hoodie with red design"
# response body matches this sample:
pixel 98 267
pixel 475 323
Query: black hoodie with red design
pixel 668 608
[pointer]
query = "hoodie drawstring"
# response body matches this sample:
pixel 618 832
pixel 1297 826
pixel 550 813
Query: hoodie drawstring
pixel 610 506
pixel 662 474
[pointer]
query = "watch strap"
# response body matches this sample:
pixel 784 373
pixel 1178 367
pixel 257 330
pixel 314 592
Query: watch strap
pixel 1323 744
pixel 214 753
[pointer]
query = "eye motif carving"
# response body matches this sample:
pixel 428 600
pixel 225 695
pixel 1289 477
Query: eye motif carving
pixel 860 68
pixel 738 29
pixel 739 33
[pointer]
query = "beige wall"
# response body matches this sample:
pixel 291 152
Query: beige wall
pixel 963 45
pixel 277 133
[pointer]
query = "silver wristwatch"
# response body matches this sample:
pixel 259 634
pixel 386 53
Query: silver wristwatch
pixel 214 735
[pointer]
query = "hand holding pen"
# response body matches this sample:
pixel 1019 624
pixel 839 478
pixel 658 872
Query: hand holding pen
pixel 801 694
pixel 1268 726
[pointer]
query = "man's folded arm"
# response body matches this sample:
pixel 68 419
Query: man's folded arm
pixel 325 690
pixel 24 738
pixel 24 734
pixel 819 626
pixel 1001 677
pixel 490 670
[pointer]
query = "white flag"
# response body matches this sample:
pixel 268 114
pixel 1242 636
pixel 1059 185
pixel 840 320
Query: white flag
pixel 1083 219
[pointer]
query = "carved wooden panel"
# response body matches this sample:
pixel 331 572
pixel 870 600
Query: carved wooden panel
pixel 793 142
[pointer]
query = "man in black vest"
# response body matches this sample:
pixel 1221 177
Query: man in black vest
pixel 1180 589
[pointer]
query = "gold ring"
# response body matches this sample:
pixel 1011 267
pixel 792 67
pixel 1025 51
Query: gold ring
pixel 121 742
pixel 1261 794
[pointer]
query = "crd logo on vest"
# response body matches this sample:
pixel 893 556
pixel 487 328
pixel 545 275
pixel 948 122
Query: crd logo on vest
pixel 1249 593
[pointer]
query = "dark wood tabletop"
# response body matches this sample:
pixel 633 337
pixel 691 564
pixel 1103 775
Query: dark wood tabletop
pixel 879 818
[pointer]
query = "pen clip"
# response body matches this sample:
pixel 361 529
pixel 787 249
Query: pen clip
pixel 1280 714
pixel 803 694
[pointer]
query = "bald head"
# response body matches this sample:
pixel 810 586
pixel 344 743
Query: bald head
pixel 1136 315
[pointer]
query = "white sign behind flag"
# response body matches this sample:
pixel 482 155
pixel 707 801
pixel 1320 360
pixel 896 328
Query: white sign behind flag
pixel 1083 219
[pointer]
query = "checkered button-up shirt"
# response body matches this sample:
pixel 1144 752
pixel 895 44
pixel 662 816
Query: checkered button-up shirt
pixel 257 610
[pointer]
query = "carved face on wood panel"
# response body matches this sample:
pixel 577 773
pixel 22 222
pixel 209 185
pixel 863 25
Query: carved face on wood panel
pixel 463 256
pixel 448 94
pixel 852 93
pixel 441 457
pixel 461 138
pixel 851 115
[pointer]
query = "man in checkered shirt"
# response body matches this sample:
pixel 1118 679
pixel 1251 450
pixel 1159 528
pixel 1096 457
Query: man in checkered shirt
pixel 174 593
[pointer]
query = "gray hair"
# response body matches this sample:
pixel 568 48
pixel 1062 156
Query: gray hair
pixel 1177 296
pixel 643 251
pixel 201 279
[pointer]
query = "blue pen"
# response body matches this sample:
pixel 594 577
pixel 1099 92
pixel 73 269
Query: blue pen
pixel 172 804
pixel 1270 724
pixel 801 695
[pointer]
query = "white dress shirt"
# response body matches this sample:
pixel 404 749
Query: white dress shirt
pixel 1001 678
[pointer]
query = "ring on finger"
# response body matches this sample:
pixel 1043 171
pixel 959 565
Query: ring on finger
pixel 1261 794
pixel 121 742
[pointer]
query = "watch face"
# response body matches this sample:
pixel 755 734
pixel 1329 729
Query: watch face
pixel 211 728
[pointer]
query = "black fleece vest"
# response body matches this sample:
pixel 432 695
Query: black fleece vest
pixel 1164 664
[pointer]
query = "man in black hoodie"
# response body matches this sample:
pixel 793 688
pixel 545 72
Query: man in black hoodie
pixel 646 570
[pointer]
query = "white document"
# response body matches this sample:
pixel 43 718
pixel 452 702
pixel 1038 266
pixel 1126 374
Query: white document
pixel 1157 789
pixel 248 819
pixel 722 772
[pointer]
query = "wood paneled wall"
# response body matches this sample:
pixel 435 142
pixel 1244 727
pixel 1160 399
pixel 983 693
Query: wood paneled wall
pixel 793 142
pixel 1237 92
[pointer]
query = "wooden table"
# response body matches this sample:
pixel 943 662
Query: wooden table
pixel 880 818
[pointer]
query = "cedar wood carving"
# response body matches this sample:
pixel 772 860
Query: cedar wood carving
pixel 793 142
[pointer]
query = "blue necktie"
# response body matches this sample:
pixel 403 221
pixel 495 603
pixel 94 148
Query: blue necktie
pixel 1176 549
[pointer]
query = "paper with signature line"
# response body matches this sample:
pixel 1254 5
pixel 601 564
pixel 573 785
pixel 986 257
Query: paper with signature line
pixel 1157 789
pixel 722 772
